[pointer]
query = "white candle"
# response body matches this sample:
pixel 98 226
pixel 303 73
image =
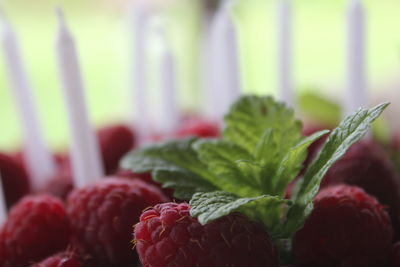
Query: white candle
pixel 84 150
pixel 138 31
pixel 284 52
pixel 39 160
pixel 356 91
pixel 169 117
pixel 3 206
pixel 225 57
pixel 210 98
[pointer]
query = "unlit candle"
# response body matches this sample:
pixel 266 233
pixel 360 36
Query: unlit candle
pixel 284 52
pixel 138 31
pixel 38 157
pixel 225 57
pixel 84 150
pixel 169 117
pixel 3 206
pixel 356 89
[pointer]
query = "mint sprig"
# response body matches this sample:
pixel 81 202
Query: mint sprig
pixel 174 164
pixel 349 131
pixel 210 206
pixel 293 162
pixel 248 169
pixel 251 116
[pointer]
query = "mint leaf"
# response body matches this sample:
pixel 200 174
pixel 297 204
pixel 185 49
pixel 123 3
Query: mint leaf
pixel 250 117
pixel 211 206
pixel 259 133
pixel 349 131
pixel 173 163
pixel 222 159
pixel 270 151
pixel 184 183
pixel 292 162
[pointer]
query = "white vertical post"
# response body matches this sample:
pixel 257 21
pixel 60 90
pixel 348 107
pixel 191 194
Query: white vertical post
pixel 225 57
pixel 356 88
pixel 138 31
pixel 39 160
pixel 3 206
pixel 169 117
pixel 284 52
pixel 86 161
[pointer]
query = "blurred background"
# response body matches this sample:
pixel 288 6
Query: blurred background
pixel 101 31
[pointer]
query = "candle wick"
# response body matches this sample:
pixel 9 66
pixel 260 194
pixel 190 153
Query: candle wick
pixel 228 4
pixel 161 33
pixel 60 17
pixel 355 4
pixel 3 16
pixel 5 24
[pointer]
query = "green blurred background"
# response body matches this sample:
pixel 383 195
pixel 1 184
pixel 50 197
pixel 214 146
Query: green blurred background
pixel 101 32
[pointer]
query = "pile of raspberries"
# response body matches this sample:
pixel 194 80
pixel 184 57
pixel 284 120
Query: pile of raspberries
pixel 126 219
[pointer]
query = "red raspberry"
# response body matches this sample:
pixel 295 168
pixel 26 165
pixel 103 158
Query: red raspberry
pixel 115 141
pixel 347 227
pixel 102 215
pixel 395 256
pixel 61 184
pixel 14 179
pixel 168 236
pixel 146 177
pixel 61 159
pixel 366 165
pixel 64 259
pixel 194 126
pixel 36 227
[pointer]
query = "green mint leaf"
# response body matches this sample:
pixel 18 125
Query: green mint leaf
pixel 271 150
pixel 173 163
pixel 349 131
pixel 293 161
pixel 211 206
pixel 267 130
pixel 250 117
pixel 223 160
pixel 184 183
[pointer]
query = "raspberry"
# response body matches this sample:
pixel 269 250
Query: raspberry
pixel 395 256
pixel 146 177
pixel 14 179
pixel 193 126
pixel 36 227
pixel 115 141
pixel 347 227
pixel 61 184
pixel 102 215
pixel 60 159
pixel 168 236
pixel 366 165
pixel 64 259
